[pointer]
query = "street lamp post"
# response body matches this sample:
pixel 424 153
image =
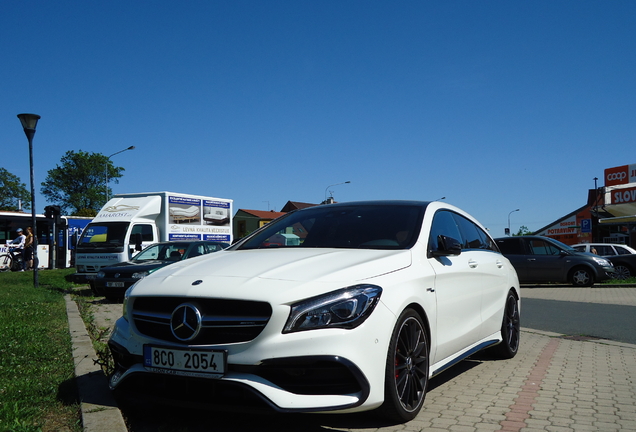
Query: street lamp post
pixel 332 186
pixel 509 220
pixel 106 167
pixel 29 122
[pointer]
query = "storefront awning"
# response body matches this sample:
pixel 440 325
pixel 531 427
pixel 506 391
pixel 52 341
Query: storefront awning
pixel 618 220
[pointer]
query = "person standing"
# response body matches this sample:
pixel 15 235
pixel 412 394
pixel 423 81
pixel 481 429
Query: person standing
pixel 28 250
pixel 18 245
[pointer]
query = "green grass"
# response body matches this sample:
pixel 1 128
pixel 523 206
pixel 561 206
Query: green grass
pixel 37 384
pixel 619 281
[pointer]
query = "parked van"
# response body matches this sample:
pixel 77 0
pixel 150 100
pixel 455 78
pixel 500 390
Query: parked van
pixel 130 222
pixel 540 259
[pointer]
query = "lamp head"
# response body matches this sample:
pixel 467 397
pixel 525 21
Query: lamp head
pixel 29 121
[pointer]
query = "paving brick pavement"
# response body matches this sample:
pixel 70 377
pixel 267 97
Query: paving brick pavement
pixel 553 384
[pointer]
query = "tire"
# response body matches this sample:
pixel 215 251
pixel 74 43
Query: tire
pixel 96 292
pixel 115 298
pixel 17 263
pixel 510 330
pixel 622 272
pixel 581 277
pixel 406 371
pixel 5 262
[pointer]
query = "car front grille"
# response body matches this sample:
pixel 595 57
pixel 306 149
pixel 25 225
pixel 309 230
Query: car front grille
pixel 222 321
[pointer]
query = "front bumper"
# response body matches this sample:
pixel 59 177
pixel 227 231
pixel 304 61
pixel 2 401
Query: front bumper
pixel 100 286
pixel 311 371
pixel 83 278
pixel 608 273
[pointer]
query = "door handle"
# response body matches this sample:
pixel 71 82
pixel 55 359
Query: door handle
pixel 472 263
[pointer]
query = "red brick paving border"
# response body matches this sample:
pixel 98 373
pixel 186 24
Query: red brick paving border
pixel 520 409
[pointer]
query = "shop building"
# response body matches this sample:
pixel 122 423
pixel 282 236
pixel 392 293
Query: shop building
pixel 609 215
pixel 246 221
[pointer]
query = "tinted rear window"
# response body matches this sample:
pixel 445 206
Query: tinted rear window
pixel 511 246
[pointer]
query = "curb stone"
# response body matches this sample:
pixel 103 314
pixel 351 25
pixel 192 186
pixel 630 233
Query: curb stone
pixel 100 412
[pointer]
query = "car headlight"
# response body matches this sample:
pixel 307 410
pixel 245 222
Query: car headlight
pixel 140 275
pixel 125 302
pixel 100 274
pixel 602 262
pixel 345 308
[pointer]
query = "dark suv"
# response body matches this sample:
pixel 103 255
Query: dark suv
pixel 542 259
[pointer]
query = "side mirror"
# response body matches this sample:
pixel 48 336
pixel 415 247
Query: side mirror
pixel 447 246
pixel 138 241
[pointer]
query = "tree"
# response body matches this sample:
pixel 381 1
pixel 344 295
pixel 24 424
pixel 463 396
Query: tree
pixel 78 185
pixel 523 230
pixel 12 190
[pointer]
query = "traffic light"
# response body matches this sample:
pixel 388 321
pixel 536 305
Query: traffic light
pixel 53 212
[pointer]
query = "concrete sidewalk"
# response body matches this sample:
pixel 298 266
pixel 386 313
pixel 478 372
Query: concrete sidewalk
pixel 616 295
pixel 99 409
pixel 555 383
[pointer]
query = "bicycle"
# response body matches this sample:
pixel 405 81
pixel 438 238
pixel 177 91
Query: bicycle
pixel 11 261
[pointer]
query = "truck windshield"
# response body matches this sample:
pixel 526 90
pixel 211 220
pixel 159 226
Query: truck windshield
pixel 103 234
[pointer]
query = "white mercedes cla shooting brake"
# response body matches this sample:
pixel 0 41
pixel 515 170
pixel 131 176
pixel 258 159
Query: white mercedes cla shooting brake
pixel 335 308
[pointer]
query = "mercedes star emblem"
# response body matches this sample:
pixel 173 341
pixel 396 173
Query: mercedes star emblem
pixel 185 322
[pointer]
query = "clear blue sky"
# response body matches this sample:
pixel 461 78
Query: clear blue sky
pixel 495 105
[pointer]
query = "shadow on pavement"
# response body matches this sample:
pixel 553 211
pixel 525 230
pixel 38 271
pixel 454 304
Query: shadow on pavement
pixel 144 417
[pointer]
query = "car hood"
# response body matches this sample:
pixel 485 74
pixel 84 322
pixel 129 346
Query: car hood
pixel 223 273
pixel 586 254
pixel 132 266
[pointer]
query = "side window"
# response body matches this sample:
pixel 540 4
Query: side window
pixel 541 247
pixel 511 246
pixel 443 224
pixel 604 250
pixel 473 237
pixel 622 251
pixel 144 230
pixel 579 248
pixel 488 242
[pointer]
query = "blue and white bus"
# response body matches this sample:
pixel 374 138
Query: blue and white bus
pixel 69 227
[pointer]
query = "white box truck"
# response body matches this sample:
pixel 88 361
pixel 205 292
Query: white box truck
pixel 130 222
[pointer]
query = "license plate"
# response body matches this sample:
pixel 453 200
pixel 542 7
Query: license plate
pixel 115 284
pixel 198 363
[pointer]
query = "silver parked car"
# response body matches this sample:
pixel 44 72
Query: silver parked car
pixel 622 256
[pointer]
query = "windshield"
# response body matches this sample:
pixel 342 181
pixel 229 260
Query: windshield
pixel 563 246
pixel 104 234
pixel 361 226
pixel 163 251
